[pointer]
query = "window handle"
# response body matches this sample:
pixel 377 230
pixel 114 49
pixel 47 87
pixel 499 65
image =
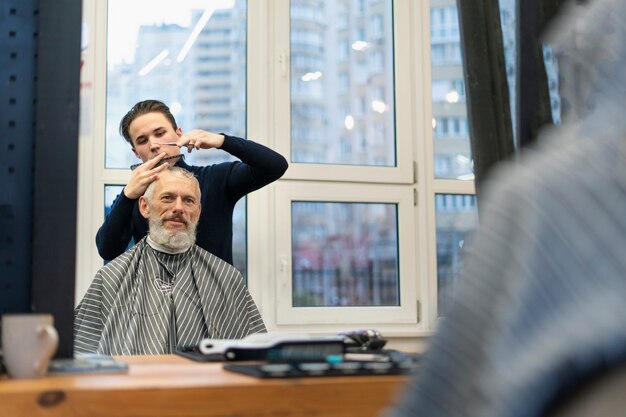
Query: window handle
pixel 284 265
pixel 282 62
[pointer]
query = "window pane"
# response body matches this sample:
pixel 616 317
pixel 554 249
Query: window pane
pixel 342 85
pixel 189 54
pixel 508 20
pixel 453 158
pixel 457 217
pixel 508 25
pixel 345 254
pixel 110 192
pixel 552 72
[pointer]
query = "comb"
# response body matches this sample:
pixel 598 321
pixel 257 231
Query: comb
pixel 171 159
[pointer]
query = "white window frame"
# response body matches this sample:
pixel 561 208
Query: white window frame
pixel 342 183
pixel 403 171
pixel 402 197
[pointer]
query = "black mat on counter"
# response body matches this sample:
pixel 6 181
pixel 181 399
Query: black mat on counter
pixel 317 369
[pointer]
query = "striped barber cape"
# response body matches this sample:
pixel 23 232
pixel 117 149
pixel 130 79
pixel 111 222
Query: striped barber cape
pixel 150 302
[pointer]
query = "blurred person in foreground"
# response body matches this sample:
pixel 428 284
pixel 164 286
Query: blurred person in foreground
pixel 540 308
pixel 165 293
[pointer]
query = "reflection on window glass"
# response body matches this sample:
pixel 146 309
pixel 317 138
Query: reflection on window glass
pixel 508 22
pixel 190 54
pixel 345 254
pixel 552 73
pixel 509 26
pixel 456 219
pixel 453 158
pixel 239 226
pixel 342 85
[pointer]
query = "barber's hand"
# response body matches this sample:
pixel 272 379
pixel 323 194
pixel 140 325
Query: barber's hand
pixel 200 139
pixel 143 175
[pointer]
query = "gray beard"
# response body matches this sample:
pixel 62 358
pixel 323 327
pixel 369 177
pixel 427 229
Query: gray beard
pixel 177 240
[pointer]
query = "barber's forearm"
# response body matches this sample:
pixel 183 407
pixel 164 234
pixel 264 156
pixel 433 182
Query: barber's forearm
pixel 255 155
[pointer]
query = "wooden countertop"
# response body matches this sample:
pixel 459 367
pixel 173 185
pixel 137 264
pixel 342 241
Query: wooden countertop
pixel 170 385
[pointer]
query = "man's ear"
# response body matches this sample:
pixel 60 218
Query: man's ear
pixel 179 132
pixel 144 208
pixel 135 152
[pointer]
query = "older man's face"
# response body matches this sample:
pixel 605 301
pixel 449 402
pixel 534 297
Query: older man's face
pixel 173 211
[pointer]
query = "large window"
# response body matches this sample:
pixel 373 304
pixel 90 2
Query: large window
pixel 346 249
pixel 366 99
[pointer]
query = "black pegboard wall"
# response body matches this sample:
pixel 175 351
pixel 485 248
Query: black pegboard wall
pixel 18 71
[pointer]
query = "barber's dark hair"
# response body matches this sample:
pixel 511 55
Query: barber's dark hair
pixel 141 108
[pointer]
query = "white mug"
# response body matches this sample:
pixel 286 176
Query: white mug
pixel 28 343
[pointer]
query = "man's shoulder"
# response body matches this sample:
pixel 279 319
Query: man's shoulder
pixel 197 251
pixel 212 260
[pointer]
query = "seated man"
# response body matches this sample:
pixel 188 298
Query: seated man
pixel 165 293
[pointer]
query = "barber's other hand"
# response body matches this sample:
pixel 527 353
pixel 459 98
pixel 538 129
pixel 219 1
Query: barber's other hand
pixel 143 175
pixel 200 139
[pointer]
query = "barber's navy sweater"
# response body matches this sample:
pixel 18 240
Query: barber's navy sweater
pixel 222 185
